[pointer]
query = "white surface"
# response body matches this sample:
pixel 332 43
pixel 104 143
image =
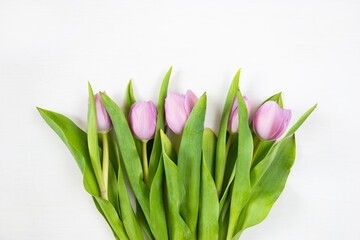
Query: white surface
pixel 310 50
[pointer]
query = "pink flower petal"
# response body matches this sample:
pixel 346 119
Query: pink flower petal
pixel 190 101
pixel 175 112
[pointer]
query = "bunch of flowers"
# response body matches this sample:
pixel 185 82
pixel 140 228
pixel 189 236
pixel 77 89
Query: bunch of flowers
pixel 208 187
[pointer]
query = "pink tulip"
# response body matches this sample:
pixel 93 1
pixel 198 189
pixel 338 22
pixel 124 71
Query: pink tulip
pixel 142 119
pixel 233 122
pixel 177 110
pixel 271 121
pixel 103 120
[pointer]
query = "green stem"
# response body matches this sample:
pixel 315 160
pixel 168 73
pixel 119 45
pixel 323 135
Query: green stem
pixel 105 166
pixel 228 144
pixel 145 162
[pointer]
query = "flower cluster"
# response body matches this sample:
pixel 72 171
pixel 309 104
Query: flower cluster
pixel 208 186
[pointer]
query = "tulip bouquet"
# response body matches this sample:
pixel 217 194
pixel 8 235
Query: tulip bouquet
pixel 206 187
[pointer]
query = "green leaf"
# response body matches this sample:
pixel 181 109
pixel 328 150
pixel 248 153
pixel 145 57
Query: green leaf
pixel 268 180
pixel 160 124
pixel 241 187
pixel 129 154
pixel 178 230
pixel 221 142
pixel 300 121
pixel 128 217
pixel 189 163
pixel 93 144
pixel 276 98
pixel 229 174
pixel 130 100
pixel 157 205
pixel 209 206
pixel 112 217
pixel 142 220
pixel 209 149
pixel 76 141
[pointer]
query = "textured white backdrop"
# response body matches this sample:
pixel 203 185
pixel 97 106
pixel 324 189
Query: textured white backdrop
pixel 310 50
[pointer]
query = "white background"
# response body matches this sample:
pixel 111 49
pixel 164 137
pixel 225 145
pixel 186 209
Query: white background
pixel 310 50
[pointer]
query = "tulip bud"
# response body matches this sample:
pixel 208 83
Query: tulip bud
pixel 271 121
pixel 233 122
pixel 103 120
pixel 177 110
pixel 142 119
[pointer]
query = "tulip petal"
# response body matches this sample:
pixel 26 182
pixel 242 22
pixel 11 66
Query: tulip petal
pixel 175 112
pixel 143 120
pixel 267 120
pixel 103 120
pixel 248 105
pixel 286 116
pixel 190 101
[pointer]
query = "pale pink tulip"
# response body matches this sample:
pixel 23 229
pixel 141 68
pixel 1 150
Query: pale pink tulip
pixel 271 121
pixel 233 122
pixel 142 119
pixel 177 110
pixel 103 120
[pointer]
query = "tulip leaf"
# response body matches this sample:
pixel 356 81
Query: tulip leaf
pixel 112 217
pixel 300 121
pixel 276 98
pixel 189 163
pixel 160 124
pixel 241 186
pixel 209 206
pixel 157 207
pixel 76 141
pixel 221 142
pixel 209 149
pixel 128 217
pixel 178 230
pixel 268 180
pixel 93 144
pixel 130 100
pixel 229 176
pixel 129 154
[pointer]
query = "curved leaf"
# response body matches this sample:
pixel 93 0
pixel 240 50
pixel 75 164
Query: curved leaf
pixel 160 124
pixel 178 229
pixel 241 187
pixel 189 163
pixel 209 149
pixel 129 154
pixel 221 142
pixel 209 206
pixel 268 180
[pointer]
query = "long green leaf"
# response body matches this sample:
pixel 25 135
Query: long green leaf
pixel 129 154
pixel 189 163
pixel 160 124
pixel 241 187
pixel 209 149
pixel 130 100
pixel 178 229
pixel 76 141
pixel 157 207
pixel 301 120
pixel 221 142
pixel 93 145
pixel 268 180
pixel 209 206
pixel 128 217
